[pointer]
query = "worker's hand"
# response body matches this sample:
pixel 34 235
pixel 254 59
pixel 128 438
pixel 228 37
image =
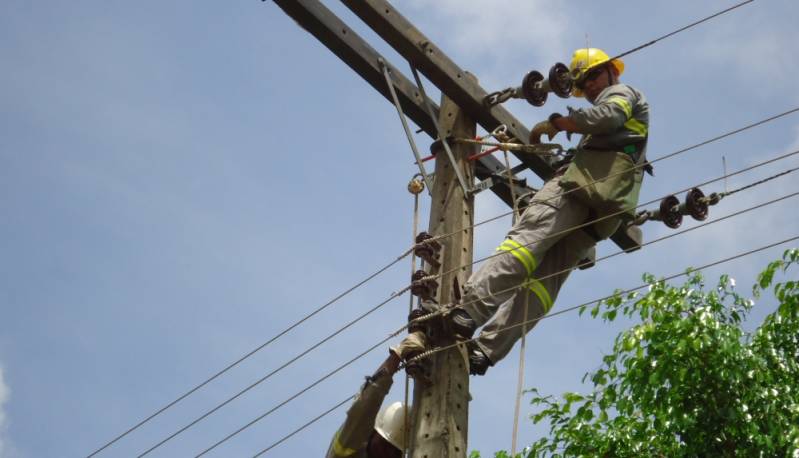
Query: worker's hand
pixel 412 345
pixel 543 127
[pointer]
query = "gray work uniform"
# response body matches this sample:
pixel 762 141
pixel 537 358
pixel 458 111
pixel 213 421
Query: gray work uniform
pixel 543 241
pixel 352 437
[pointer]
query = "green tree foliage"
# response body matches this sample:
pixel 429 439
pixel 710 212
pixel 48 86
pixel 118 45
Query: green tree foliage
pixel 687 380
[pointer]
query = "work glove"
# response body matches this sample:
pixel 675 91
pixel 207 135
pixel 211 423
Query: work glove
pixel 543 127
pixel 412 345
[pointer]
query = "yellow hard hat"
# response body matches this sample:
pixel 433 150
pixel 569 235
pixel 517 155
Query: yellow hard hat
pixel 584 59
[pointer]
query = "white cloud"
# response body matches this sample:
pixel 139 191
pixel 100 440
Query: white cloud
pixel 5 394
pixel 511 35
pixel 756 49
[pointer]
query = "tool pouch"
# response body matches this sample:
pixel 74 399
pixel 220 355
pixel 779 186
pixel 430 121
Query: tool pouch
pixel 604 180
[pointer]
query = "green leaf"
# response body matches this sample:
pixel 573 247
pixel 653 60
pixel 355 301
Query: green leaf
pixel 687 379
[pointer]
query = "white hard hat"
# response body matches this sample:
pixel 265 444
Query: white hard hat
pixel 390 424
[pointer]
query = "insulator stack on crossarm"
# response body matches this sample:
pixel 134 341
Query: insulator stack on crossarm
pixel 422 287
pixel 428 249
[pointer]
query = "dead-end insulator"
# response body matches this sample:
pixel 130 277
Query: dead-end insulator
pixel 669 212
pixel 696 205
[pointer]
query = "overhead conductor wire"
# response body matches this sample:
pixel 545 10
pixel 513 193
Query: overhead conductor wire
pixel 402 256
pixel 393 296
pixel 620 212
pixel 681 29
pixel 524 323
pixel 652 42
pixel 252 352
pixel 273 372
pixel 637 166
pixel 535 320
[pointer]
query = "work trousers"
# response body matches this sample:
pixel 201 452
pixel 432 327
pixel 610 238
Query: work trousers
pixel 529 268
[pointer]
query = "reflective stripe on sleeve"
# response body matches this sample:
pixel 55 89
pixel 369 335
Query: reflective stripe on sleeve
pixel 543 295
pixel 637 126
pixel 623 104
pixel 339 449
pixel 521 253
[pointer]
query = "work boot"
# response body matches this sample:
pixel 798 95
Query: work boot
pixel 478 361
pixel 459 324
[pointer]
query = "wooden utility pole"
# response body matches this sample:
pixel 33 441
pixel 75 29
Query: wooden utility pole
pixel 441 408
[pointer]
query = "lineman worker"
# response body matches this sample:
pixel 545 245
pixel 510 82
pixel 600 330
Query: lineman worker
pixel 601 180
pixel 365 433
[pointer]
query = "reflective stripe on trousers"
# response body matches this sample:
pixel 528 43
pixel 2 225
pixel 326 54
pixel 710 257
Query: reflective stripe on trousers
pixel 528 261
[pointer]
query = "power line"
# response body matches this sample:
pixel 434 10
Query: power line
pixel 442 309
pixel 620 212
pixel 393 296
pixel 577 307
pixel 681 29
pixel 309 423
pixel 273 372
pixel 252 352
pixel 638 166
pixel 585 304
pixel 296 395
pixel 346 292
pixel 368 312
pixel 228 437
pixel 391 264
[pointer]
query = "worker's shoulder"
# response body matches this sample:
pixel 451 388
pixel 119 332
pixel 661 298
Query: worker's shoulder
pixel 622 90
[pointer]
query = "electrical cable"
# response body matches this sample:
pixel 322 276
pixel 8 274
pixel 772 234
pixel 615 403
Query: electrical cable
pixel 585 304
pixel 638 166
pixel 314 420
pixel 250 353
pixel 397 332
pixel 506 94
pixel 446 307
pixel 620 212
pixel 293 326
pixel 681 29
pixel 560 312
pixel 393 296
pixel 296 395
pixel 275 371
pixel 389 265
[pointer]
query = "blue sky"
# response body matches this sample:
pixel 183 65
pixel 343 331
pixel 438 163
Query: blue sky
pixel 182 180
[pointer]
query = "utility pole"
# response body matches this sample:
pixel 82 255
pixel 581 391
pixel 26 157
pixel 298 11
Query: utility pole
pixel 440 416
